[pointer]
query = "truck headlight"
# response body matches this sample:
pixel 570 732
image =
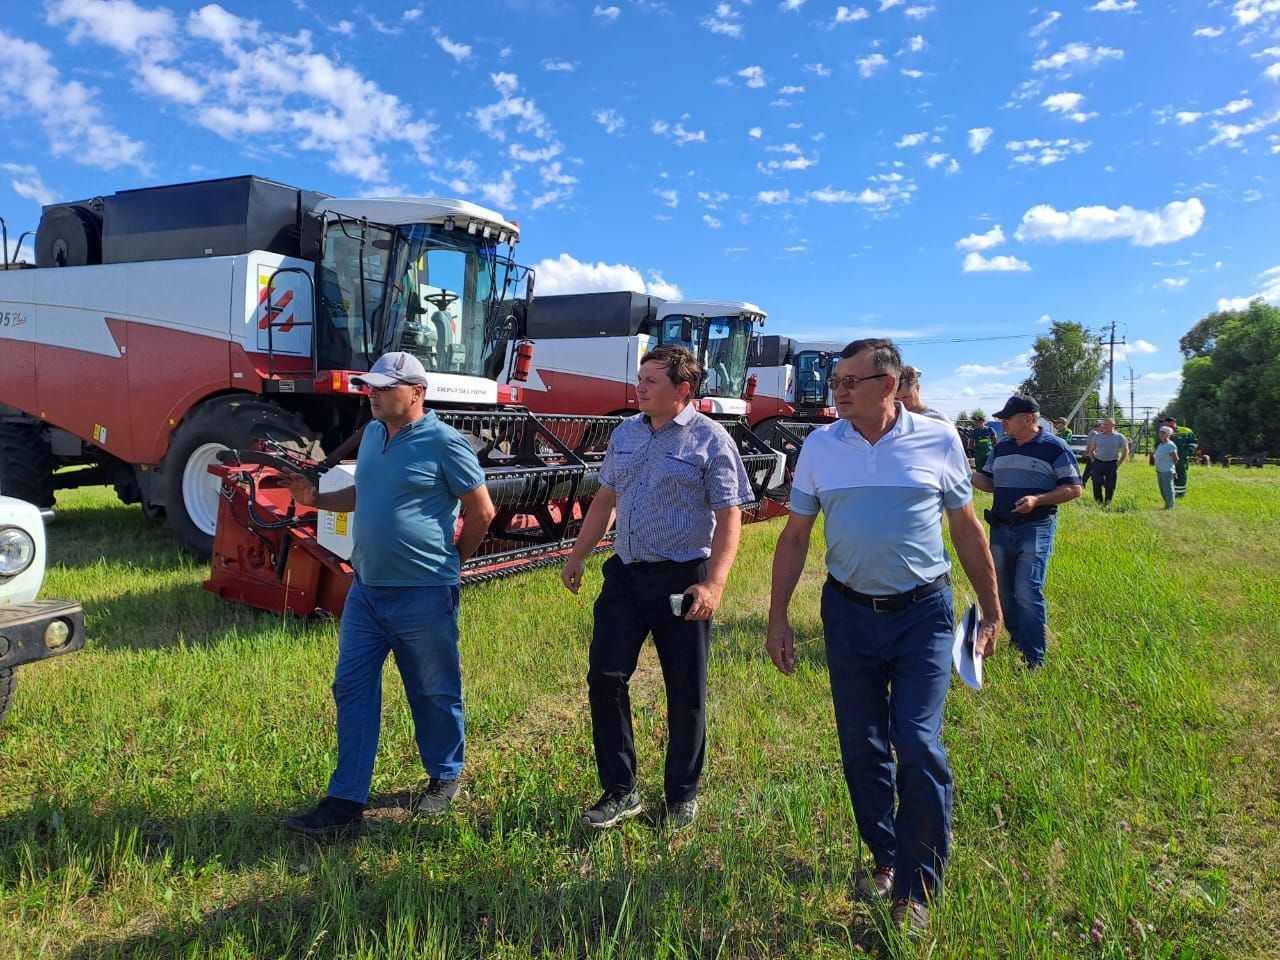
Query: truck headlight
pixel 17 550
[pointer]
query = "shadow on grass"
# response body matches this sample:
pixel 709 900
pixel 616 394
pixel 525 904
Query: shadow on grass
pixel 83 536
pixel 406 887
pixel 742 636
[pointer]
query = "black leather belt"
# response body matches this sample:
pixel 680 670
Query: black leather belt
pixel 1017 520
pixel 894 602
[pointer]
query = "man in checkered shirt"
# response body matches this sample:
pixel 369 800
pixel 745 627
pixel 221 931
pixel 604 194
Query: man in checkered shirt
pixel 676 481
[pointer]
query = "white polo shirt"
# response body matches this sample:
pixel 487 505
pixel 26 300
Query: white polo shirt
pixel 882 503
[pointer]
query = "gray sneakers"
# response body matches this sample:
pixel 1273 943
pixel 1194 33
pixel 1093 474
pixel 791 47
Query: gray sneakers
pixel 612 809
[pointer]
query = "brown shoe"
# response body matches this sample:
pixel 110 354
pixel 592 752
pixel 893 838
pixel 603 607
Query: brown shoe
pixel 878 885
pixel 913 914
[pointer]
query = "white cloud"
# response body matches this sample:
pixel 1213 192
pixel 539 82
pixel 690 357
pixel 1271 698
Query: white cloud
pixel 1233 134
pixel 565 274
pixel 1235 106
pixel 1143 346
pixel 1053 17
pixel 678 133
pixel 27 183
pixel 755 133
pixel 1185 117
pixel 1269 284
pixel 1068 105
pixel 1272 72
pixel 500 193
pixel 1174 283
pixel 1251 11
pixel 1046 152
pixel 977 263
pixel 1210 32
pixel 912 140
pixel 915 44
pixel 1077 55
pixel 850 15
pixel 119 24
pixel 913 74
pixel 773 197
pixel 1116 6
pixel 934 160
pixel 1144 228
pixel 819 69
pixel 559 66
pixel 887 4
pixel 610 120
pixel 67 110
pixel 789 5
pixel 606 13
pixel 791 90
pixel 669 197
pixel 982 241
pixel 867 66
pixel 726 21
pixel 978 138
pixel 459 51
pixel 753 75
pixel 710 221
pixel 919 12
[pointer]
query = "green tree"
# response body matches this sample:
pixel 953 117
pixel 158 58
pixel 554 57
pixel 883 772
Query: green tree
pixel 1230 388
pixel 1064 364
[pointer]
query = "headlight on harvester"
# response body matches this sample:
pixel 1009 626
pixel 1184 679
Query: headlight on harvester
pixel 17 550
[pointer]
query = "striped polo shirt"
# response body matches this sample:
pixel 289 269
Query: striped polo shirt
pixel 1040 465
pixel 668 483
pixel 883 502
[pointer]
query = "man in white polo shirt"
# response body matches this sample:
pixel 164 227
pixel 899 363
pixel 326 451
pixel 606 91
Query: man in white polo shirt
pixel 883 477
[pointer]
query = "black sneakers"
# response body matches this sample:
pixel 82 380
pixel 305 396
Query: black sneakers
pixel 438 798
pixel 613 808
pixel 681 814
pixel 331 817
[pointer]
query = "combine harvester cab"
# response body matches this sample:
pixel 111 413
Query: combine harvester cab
pixel 162 328
pixel 590 346
pixel 793 396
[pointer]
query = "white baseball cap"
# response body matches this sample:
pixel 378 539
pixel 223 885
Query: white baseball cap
pixel 393 368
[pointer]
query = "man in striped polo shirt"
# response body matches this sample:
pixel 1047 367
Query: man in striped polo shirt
pixel 1031 472
pixel 676 480
pixel 883 477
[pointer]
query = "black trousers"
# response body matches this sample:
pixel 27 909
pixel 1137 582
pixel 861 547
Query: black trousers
pixel 1104 480
pixel 633 604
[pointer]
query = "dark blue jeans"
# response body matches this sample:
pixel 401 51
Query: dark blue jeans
pixel 420 625
pixel 889 676
pixel 1021 556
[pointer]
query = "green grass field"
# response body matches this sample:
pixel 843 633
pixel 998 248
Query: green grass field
pixel 1125 802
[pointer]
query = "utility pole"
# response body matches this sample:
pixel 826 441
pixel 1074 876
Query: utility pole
pixel 1111 371
pixel 1132 429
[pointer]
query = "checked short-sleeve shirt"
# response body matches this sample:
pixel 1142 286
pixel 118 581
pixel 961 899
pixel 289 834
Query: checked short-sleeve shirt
pixel 669 482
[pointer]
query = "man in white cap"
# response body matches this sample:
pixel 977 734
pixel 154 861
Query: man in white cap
pixel 412 473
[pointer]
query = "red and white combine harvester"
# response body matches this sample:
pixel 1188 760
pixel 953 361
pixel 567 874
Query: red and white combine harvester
pixel 792 394
pixel 192 344
pixel 590 345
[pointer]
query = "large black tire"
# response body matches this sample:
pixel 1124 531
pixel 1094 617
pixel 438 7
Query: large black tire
pixel 189 492
pixel 26 464
pixel 68 236
pixel 8 684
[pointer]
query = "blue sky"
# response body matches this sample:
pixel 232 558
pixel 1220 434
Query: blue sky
pixel 927 169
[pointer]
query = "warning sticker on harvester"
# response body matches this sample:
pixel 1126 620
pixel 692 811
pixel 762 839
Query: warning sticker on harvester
pixel 340 524
pixel 99 434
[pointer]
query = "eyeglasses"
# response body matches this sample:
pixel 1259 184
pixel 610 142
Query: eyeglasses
pixel 849 382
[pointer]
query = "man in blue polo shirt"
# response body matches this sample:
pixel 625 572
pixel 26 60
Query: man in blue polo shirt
pixel 883 477
pixel 1031 472
pixel 412 472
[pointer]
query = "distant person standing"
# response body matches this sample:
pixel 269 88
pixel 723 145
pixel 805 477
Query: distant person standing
pixel 1031 472
pixel 1165 457
pixel 1062 430
pixel 984 441
pixel 1184 438
pixel 1088 460
pixel 909 395
pixel 676 481
pixel 1107 450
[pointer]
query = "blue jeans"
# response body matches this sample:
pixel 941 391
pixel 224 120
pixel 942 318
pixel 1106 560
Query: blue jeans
pixel 1021 554
pixel 889 676
pixel 1164 480
pixel 420 625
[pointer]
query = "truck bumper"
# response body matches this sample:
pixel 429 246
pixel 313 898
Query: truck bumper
pixel 39 630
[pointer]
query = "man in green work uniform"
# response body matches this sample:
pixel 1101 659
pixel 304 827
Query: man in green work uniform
pixel 984 439
pixel 1185 439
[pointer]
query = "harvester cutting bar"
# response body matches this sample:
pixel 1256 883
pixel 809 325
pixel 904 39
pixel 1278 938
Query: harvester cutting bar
pixel 762 463
pixel 280 556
